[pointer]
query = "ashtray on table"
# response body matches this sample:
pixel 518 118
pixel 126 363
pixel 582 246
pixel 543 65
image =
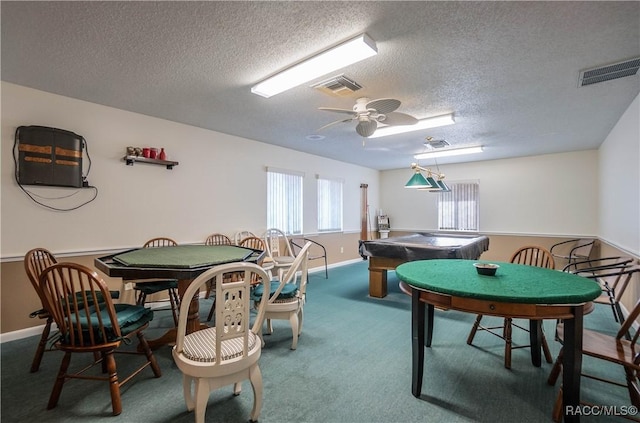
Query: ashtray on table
pixel 487 269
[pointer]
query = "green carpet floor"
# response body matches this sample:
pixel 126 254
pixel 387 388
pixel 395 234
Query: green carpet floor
pixel 353 364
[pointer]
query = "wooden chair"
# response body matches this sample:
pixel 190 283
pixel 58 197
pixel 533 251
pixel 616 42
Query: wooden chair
pixel 218 239
pixel 240 235
pixel 573 250
pixel 89 322
pixel 617 350
pixel 531 256
pixel 35 261
pixel 318 252
pixel 279 250
pixel 227 353
pixel 154 286
pixel 215 239
pixel 287 298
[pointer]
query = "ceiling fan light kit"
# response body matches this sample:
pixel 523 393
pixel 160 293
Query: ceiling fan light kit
pixel 369 113
pixel 340 56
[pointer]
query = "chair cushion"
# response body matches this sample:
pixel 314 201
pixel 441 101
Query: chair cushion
pixel 201 346
pixel 288 291
pixel 80 296
pixel 158 286
pixel 130 318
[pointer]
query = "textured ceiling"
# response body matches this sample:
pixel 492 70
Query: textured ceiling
pixel 507 70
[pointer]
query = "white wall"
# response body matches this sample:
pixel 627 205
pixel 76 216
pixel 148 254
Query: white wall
pixel 620 182
pixel 218 186
pixel 553 194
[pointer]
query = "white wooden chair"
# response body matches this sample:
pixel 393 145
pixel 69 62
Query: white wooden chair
pixel 227 353
pixel 286 300
pixel 279 250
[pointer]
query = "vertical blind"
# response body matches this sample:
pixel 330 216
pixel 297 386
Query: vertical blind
pixel 329 204
pixel 284 200
pixel 458 210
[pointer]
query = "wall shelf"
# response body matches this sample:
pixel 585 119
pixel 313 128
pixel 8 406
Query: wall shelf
pixel 130 160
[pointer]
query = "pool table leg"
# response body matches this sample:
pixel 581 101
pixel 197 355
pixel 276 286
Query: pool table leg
pixel 378 283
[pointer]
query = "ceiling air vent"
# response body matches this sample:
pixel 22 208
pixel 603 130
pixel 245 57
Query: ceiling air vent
pixel 340 86
pixel 609 72
pixel 430 142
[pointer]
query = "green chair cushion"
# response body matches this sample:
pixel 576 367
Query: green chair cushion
pixel 130 318
pixel 288 291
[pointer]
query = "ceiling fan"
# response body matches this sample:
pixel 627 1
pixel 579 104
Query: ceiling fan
pixel 369 113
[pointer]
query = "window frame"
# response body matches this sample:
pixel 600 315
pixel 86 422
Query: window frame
pixel 290 202
pixel 329 205
pixel 459 190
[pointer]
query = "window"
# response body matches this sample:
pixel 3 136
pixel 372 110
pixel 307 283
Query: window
pixel 284 200
pixel 329 204
pixel 458 210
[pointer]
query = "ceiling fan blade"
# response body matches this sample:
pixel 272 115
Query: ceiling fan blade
pixel 332 109
pixel 384 105
pixel 334 123
pixel 366 128
pixel 397 118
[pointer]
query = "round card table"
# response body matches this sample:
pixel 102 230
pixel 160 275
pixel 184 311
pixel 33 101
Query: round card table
pixel 182 262
pixel 516 291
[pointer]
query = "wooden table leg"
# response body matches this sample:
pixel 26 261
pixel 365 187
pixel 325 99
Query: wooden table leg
pixel 417 342
pixel 572 365
pixel 193 318
pixel 535 341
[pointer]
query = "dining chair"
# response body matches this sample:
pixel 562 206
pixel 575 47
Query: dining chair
pixel 530 256
pixel 612 275
pixel 215 239
pixel 249 242
pixel 147 287
pixel 218 239
pixel 572 250
pixel 287 297
pixel 240 235
pixel 35 261
pixel 88 322
pixel 228 352
pixel 318 251
pixel 279 250
pixel 613 349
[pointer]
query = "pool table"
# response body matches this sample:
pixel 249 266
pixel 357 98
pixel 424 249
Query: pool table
pixel 389 253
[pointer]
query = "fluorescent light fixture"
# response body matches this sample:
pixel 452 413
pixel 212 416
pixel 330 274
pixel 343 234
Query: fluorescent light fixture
pixel 431 122
pixel 338 57
pixel 449 152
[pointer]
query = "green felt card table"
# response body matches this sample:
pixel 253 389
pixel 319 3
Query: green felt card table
pixel 182 262
pixel 516 291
